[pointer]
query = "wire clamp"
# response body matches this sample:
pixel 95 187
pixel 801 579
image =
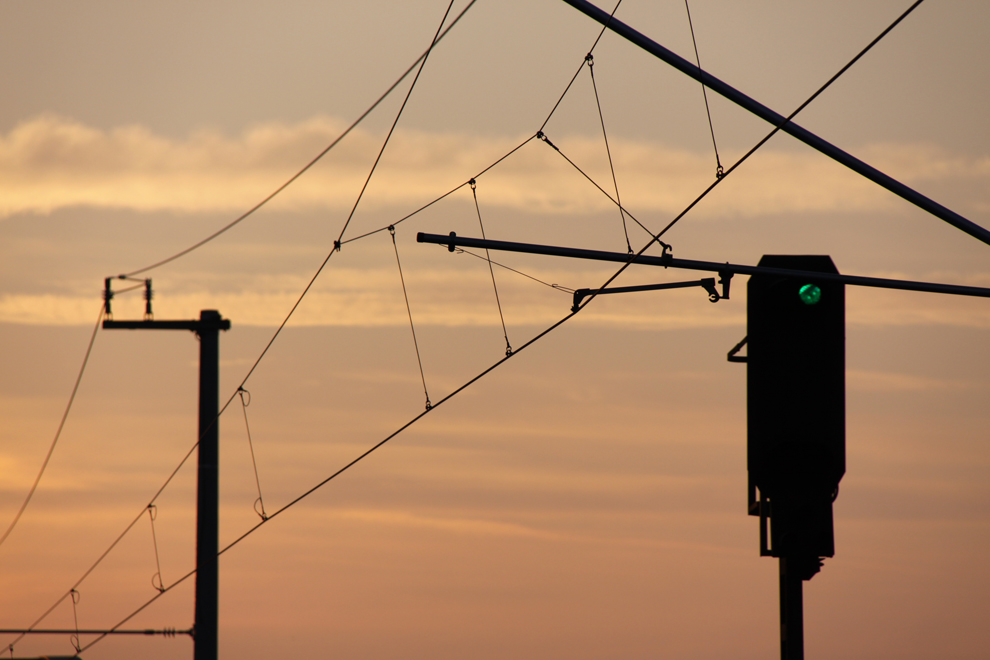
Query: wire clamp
pixel 336 246
pixel 452 247
pixel 590 59
pixel 391 230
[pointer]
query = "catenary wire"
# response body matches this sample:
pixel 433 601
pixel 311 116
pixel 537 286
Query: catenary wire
pixel 341 470
pixel 278 331
pixel 316 159
pixel 498 363
pixel 244 381
pixel 58 431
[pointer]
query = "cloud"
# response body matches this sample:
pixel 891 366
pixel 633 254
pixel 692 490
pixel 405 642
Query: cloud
pixel 50 162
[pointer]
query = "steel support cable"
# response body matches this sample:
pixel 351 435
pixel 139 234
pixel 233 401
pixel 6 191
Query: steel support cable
pixel 257 480
pixel 422 59
pixel 704 92
pixel 152 514
pixel 391 231
pixel 618 200
pixel 316 159
pixel 58 431
pixel 488 258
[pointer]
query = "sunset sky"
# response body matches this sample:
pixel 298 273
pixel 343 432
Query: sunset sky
pixel 587 498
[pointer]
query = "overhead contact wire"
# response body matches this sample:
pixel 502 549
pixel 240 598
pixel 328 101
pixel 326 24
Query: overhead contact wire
pixel 278 331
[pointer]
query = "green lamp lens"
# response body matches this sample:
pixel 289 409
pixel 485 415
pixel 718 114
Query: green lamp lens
pixel 810 294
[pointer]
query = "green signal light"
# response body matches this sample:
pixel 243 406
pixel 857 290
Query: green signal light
pixel 810 294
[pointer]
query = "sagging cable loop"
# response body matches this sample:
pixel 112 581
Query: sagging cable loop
pixel 402 279
pixel 259 504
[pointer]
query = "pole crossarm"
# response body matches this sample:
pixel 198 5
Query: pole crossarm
pixel 165 632
pixel 667 261
pixel 789 127
pixel 194 325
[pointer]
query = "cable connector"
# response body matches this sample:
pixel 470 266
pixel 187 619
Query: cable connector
pixel 107 297
pixel 148 294
pixel 540 135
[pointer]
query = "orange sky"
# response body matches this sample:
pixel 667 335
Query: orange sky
pixel 587 498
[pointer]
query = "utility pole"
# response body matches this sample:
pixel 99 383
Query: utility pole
pixel 207 328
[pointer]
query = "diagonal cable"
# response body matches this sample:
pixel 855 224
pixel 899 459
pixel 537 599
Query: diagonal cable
pixel 318 156
pixel 391 231
pixel 394 123
pixel 590 59
pixel 704 93
pixel 58 431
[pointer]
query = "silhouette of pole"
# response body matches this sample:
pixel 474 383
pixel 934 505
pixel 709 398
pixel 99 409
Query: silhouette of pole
pixel 207 489
pixel 791 613
pixel 208 471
